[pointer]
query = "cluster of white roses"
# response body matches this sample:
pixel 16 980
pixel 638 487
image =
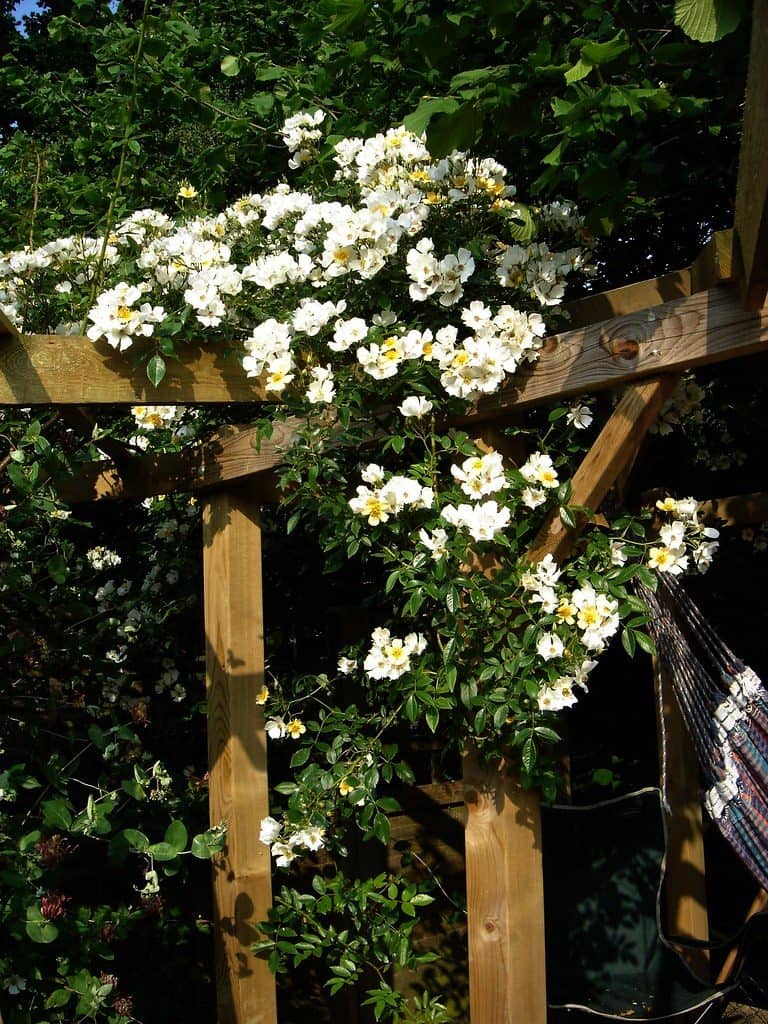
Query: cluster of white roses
pixel 682 538
pixel 479 476
pixel 576 622
pixel 385 498
pixel 286 848
pixel 103 558
pixel 224 267
pixel 390 656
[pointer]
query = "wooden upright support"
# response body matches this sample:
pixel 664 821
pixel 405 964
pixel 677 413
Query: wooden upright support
pixel 237 752
pixel 751 214
pixel 685 874
pixel 505 898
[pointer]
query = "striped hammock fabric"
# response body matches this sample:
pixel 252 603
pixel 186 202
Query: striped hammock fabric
pixel 725 708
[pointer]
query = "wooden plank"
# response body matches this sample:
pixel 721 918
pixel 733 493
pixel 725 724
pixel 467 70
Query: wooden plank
pixel 614 447
pixel 685 880
pixel 505 898
pixel 708 327
pixel 237 752
pixel 751 214
pixel 592 309
pixel 50 369
pixel 703 328
pixel 231 455
pixel 736 510
pixel 712 266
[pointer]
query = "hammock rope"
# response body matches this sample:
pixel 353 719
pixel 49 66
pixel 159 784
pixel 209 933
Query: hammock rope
pixel 725 708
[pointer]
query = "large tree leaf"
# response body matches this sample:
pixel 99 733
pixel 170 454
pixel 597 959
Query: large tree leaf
pixel 706 21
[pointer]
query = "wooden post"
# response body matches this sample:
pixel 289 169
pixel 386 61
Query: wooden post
pixel 505 898
pixel 751 214
pixel 685 876
pixel 237 752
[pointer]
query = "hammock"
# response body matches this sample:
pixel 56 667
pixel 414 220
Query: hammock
pixel 725 709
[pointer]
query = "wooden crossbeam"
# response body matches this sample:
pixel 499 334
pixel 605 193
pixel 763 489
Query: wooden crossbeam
pixel 231 455
pixel 704 328
pixel 737 509
pixel 713 265
pixel 614 447
pixel 708 327
pixel 7 329
pixel 751 214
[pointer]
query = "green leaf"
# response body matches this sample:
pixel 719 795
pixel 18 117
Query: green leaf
pixel 568 517
pixel 230 66
pixel 459 130
pixel 417 121
pixel 628 642
pixel 59 997
pixel 135 839
pixel 706 21
pixel 645 643
pixel 579 70
pixel 432 718
pixel 56 814
pixel 602 777
pixel 156 369
pixel 529 755
pixel 604 53
pixel 57 569
pixel 163 851
pixel 38 928
pixel 176 835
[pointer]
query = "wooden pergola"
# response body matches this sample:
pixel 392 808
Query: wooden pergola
pixel 640 338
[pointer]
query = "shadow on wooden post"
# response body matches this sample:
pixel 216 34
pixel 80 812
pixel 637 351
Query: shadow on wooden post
pixel 505 897
pixel 237 753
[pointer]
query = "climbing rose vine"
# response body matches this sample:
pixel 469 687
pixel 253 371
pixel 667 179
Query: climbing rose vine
pixel 379 304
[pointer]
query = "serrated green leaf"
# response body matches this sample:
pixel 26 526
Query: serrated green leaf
pixel 706 21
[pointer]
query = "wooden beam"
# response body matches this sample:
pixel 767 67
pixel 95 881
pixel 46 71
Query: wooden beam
pixel 751 214
pixel 505 898
pixel 614 447
pixel 712 266
pixel 231 455
pixel 685 879
pixel 703 328
pixel 736 510
pixel 50 369
pixel 237 752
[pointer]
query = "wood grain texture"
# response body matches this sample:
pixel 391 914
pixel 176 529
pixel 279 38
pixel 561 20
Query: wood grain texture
pixel 736 510
pixel 751 214
pixel 50 369
pixel 615 446
pixel 704 328
pixel 231 455
pixel 712 266
pixel 708 327
pixel 505 898
pixel 237 752
pixel 685 880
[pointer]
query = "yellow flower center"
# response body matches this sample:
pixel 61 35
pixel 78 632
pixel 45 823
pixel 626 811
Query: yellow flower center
pixel 124 314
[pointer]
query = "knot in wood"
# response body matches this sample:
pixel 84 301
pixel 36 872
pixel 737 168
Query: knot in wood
pixel 491 928
pixel 622 341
